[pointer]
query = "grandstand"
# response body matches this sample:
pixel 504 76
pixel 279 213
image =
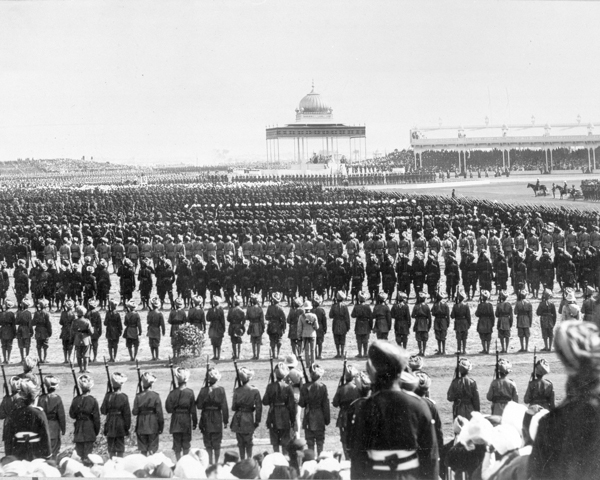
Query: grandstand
pixel 502 140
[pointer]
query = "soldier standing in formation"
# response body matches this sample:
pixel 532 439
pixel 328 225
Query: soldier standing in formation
pixel 422 315
pixel 248 411
pixel 156 327
pixel 540 390
pixel 463 391
pixel 276 324
pixel 314 398
pixel 86 413
pixel 216 330
pixel 7 330
pixel 118 415
pixel 52 406
pixel 363 324
pixel 279 397
pixel 441 322
pixel 485 322
pixel 214 417
pixel 81 332
pixel 546 310
pixel 114 329
pixel 401 315
pixel 502 390
pixel 181 404
pixel 340 324
pixel 150 422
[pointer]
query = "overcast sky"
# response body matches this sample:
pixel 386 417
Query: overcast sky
pixel 178 80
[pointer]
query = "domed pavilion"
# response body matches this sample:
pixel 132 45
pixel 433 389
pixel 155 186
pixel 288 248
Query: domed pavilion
pixel 315 135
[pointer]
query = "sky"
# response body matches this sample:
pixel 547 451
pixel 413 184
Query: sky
pixel 183 81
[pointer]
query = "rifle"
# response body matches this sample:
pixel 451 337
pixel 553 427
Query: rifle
pixel 456 370
pixel 496 372
pixel 236 382
pixel 44 391
pixel 7 389
pixel 137 367
pixel 534 362
pixel 206 377
pixel 342 381
pixel 272 377
pixel 306 380
pixel 77 390
pixel 173 383
pixel 109 387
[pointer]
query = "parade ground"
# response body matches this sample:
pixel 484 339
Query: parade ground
pixel 440 368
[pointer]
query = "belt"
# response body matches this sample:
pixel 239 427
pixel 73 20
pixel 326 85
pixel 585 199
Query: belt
pixel 279 404
pixel 181 410
pixel 27 437
pixel 393 460
pixel 145 411
pixel 246 409
pixel 84 416
pixel 461 318
pixel 211 408
pixel 114 411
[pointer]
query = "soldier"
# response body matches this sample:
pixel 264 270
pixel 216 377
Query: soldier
pixel 236 317
pixel 43 329
pixel 382 318
pixel 357 272
pixel 504 314
pixel 441 322
pixel 256 325
pixel 524 313
pixel 21 281
pixel 540 391
pixel 485 322
pixel 502 390
pixel 452 273
pixel 292 321
pixel 182 406
pixel 346 393
pixel 340 324
pixel 89 285
pixel 177 318
pixel 24 321
pixel 373 273
pixel 276 324
pixel 432 275
pixel 156 327
pixel 126 273
pixel 248 412
pixel 196 315
pixel 212 402
pixel 279 397
pixel 322 322
pixel 94 316
pixel 86 413
pixel 52 405
pixel 145 281
pixel 103 283
pixel 462 322
pixel 132 329
pixel 164 282
pixel 400 313
pixel 363 325
pixel 587 309
pixel 308 325
pixel 376 449
pixel 216 330
pixel 76 251
pixel 114 329
pixel 546 310
pixel 150 422
pixel 422 315
pixel 118 416
pixel 81 331
pixel 463 391
pixel 315 399
pixel 7 330
pixel 7 407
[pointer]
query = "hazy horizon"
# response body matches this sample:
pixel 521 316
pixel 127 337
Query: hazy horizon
pixel 186 81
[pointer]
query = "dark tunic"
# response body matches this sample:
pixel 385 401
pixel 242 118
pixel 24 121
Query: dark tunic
pixel 279 397
pixel 540 392
pixel 42 324
pixel 53 406
pixel 86 412
pixel 485 314
pixel 465 397
pixel 118 414
pixel 247 407
pixel 181 405
pixel 156 324
pixel 196 317
pixel 114 325
pixel 29 434
pixel 133 326
pixel 401 315
pixel 364 319
pixel 462 317
pixel 275 318
pixel 315 399
pixel 148 409
pixel 216 318
pixel 212 402
pixel 340 319
pixel 382 318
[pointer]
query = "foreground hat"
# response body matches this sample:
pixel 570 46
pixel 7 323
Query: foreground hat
pixel 464 365
pixel 51 381
pixel 30 362
pixel 246 469
pixel 478 431
pixel 80 310
pixel 340 296
pixel 424 380
pixel 542 367
pixel 15 383
pixel 281 371
pixel 182 375
pixel 504 366
pixel 130 304
pixel 86 383
pixel 386 361
pixel 213 375
pixel 578 346
pixel 245 374
pixel 29 387
pixel 117 379
pixel 415 362
pixel 148 379
pixel 276 297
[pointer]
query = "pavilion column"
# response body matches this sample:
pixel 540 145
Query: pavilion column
pixel 551 162
pixel 589 160
pixel 421 159
pixel 508 158
pixel 277 141
pixel 546 152
pixel 267 150
pixel 594 154
pixel 415 154
pixel 459 169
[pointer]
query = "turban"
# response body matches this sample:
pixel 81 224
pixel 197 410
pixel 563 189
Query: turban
pixel 570 295
pixel 291 361
pixel 546 294
pixel 504 366
pixel 26 302
pixel 29 387
pixel 424 380
pixel 386 361
pixel 502 296
pixel 382 297
pixel 148 379
pixel 30 362
pixel 281 371
pixel 130 304
pixel 85 383
pixel 182 375
pixel 80 310
pixel 216 300
pixel 479 430
pixel 195 298
pixel 361 297
pixel 350 373
pixel 506 438
pixel 15 384
pixel 578 346
pixel 8 304
pixel 316 371
pixel 245 375
pixel 69 304
pixel 92 304
pixel 43 304
pixel 408 381
pixel 51 381
pixel 179 303
pixel 213 375
pixel 485 294
pixel 276 297
pixel 340 296
pixel 318 299
pixel 464 365
pixel 542 367
pixel 415 362
pixel 154 303
pixel 117 379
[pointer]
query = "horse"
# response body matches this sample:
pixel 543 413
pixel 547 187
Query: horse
pixel 536 189
pixel 575 194
pixel 562 190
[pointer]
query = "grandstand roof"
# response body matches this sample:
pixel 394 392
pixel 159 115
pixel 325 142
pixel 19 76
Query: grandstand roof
pixel 476 131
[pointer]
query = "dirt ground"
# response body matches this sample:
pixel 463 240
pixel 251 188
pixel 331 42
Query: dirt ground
pixel 441 368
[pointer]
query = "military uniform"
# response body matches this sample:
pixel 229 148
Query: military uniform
pixel 118 421
pixel 279 397
pixel 212 402
pixel 464 395
pixel 540 392
pixel 502 391
pixel 86 413
pixel 340 325
pixel 402 320
pixel 150 420
pixel 182 406
pixel 53 407
pixel 362 326
pixel 315 400
pixel 344 396
pixel 248 412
